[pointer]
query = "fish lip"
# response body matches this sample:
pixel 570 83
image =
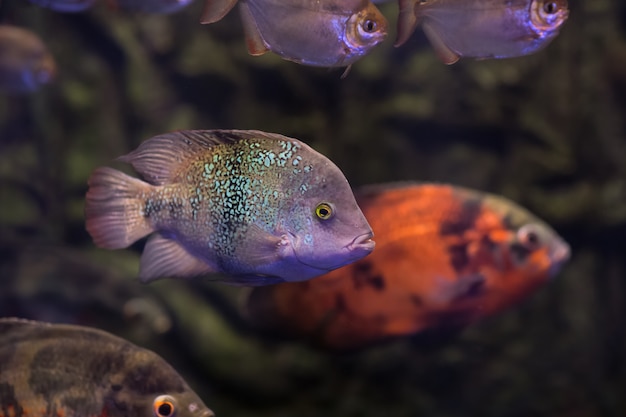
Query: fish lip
pixel 362 242
pixel 560 254
pixel 359 247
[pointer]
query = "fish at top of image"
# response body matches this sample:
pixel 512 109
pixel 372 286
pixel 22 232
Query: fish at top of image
pixel 250 207
pixel 25 62
pixel 326 33
pixel 68 370
pixel 148 6
pixel 66 6
pixel 445 257
pixel 482 28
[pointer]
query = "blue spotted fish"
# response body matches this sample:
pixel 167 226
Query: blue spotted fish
pixel 257 208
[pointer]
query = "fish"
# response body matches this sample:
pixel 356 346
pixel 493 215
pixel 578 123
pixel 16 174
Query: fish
pixel 326 33
pixel 482 29
pixel 69 370
pixel 248 207
pixel 66 6
pixel 445 257
pixel 149 6
pixel 25 62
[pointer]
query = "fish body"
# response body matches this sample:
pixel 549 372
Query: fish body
pixel 445 257
pixel 25 62
pixel 327 33
pixel 483 28
pixel 67 6
pixel 66 370
pixel 255 206
pixel 149 6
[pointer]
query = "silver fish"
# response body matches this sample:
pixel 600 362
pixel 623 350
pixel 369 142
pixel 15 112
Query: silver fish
pixel 67 6
pixel 483 28
pixel 327 33
pixel 25 62
pixel 259 207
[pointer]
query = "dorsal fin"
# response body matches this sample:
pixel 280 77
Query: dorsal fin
pixel 215 10
pixel 160 158
pixel 254 39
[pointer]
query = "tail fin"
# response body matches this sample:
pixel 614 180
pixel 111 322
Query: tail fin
pixel 113 209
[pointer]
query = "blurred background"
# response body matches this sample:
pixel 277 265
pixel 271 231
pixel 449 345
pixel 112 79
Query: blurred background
pixel 548 131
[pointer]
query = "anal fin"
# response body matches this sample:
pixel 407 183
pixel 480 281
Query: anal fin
pixel 407 21
pixel 163 258
pixel 254 40
pixel 445 54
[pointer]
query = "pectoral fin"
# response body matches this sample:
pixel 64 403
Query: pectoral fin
pixel 465 286
pixel 163 258
pixel 261 248
pixel 215 10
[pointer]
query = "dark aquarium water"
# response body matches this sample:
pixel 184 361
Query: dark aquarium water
pixel 547 131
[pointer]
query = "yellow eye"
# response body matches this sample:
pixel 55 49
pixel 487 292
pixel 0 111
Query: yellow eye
pixel 324 211
pixel 164 406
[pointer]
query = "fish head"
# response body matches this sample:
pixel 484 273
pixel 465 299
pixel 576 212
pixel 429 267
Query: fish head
pixel 331 230
pixel 515 252
pixel 147 386
pixel 185 404
pixel 364 29
pixel 539 246
pixel 41 71
pixel 548 15
pixel 180 404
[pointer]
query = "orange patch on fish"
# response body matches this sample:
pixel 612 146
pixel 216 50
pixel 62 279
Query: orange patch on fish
pixel 445 256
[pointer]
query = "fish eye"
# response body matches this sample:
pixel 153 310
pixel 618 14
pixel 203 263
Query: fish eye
pixel 369 26
pixel 550 7
pixel 324 211
pixel 529 237
pixel 164 406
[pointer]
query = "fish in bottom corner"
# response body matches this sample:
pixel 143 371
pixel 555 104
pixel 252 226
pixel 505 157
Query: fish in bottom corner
pixel 246 207
pixel 66 370
pixel 445 257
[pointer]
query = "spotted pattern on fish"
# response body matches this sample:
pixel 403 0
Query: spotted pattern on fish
pixel 8 402
pixel 363 275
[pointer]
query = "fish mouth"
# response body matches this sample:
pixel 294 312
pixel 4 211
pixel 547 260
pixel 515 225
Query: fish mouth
pixel 559 255
pixel 362 243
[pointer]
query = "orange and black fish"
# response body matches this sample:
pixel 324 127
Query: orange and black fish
pixel 68 371
pixel 482 28
pixel 25 62
pixel 445 256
